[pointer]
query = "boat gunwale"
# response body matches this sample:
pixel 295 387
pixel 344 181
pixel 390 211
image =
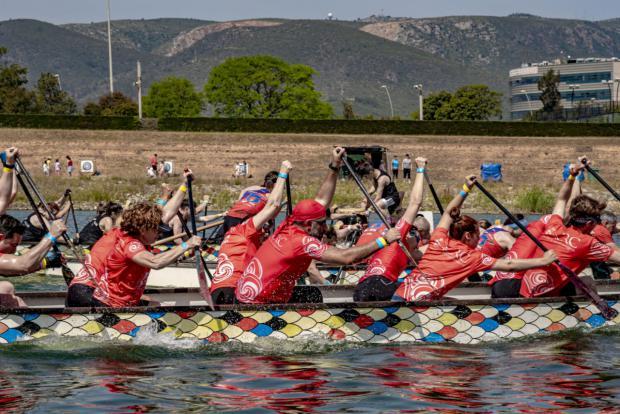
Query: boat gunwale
pixel 309 306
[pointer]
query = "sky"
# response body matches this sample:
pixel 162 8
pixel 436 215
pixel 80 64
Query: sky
pixel 80 11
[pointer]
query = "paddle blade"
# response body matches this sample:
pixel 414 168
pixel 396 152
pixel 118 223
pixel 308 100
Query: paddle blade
pixel 67 274
pixel 204 283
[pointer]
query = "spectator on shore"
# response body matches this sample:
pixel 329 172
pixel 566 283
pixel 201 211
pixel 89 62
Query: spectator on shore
pixel 153 162
pixel 407 168
pixel 46 167
pixel 395 165
pixel 69 166
pixel 57 167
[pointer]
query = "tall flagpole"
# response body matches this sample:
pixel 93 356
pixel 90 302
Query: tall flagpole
pixel 110 51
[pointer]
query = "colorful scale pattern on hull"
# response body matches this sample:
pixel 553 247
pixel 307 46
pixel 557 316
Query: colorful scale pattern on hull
pixel 465 324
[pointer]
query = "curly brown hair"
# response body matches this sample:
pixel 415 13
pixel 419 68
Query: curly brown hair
pixel 584 209
pixel 140 218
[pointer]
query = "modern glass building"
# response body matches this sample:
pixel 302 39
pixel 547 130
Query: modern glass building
pixel 589 81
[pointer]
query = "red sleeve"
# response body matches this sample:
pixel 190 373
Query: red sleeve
pixel 310 247
pixel 132 248
pixel 601 234
pixel 439 233
pixel 598 252
pixel 481 262
pixel 403 226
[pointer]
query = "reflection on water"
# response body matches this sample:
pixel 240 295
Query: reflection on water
pixel 575 372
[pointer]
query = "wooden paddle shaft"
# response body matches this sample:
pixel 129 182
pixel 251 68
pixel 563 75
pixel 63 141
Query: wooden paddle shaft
pixel 178 236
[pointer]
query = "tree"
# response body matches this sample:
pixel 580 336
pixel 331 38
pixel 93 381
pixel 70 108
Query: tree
pixel 432 103
pixel 51 99
pixel 471 103
pixel 550 93
pixel 14 97
pixel 172 97
pixel 264 87
pixel 116 104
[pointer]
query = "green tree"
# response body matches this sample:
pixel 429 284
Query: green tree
pixel 14 97
pixel 264 87
pixel 550 94
pixel 116 104
pixel 471 103
pixel 432 103
pixel 51 99
pixel 172 97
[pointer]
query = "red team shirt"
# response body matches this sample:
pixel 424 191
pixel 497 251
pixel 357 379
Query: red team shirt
pixel 573 248
pixel 239 246
pixel 90 273
pixel 250 203
pixel 391 260
pixel 601 234
pixel 444 265
pixel 271 274
pixel 122 281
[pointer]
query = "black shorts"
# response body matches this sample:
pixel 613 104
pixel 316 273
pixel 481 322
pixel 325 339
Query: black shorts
pixel 506 288
pixel 395 173
pixel 79 296
pixel 306 294
pixel 230 222
pixel 224 296
pixel 407 173
pixel 375 289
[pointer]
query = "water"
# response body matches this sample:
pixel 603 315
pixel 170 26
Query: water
pixel 573 372
pixel 576 372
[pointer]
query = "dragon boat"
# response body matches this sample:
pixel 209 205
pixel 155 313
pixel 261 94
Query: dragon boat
pixel 184 315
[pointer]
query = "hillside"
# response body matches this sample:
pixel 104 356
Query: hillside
pixel 502 43
pixel 353 58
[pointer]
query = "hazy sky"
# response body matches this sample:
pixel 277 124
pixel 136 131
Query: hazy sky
pixel 65 11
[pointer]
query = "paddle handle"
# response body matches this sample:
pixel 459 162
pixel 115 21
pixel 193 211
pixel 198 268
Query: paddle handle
pixel 289 198
pixel 606 310
pixel 73 214
pixel 434 193
pixel 601 180
pixel 192 214
pixel 374 205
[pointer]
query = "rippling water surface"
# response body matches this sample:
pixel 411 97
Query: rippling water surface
pixel 575 372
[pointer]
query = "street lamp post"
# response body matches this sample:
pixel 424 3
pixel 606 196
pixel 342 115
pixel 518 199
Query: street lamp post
pixel 529 103
pixel 572 87
pixel 110 50
pixel 389 99
pixel 139 87
pixel 617 80
pixel 610 84
pixel 420 89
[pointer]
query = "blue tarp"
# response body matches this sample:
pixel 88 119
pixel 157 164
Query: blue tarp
pixel 566 173
pixel 491 172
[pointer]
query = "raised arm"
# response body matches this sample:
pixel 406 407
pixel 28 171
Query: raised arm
pixel 274 201
pixel 354 254
pixel 7 181
pixel 328 188
pixel 457 201
pixel 11 265
pixel 565 192
pixel 161 260
pixel 516 265
pixel 172 206
pixel 417 191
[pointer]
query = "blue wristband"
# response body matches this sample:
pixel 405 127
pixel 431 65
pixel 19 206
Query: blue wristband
pixel 184 245
pixel 420 170
pixel 463 194
pixel 161 202
pixel 51 238
pixel 283 175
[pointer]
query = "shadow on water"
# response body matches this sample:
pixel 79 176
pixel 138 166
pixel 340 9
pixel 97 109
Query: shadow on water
pixel 569 372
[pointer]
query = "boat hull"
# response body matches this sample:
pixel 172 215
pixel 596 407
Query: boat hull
pixel 446 321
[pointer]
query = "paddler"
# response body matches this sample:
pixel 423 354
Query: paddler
pixel 384 268
pixel 59 209
pixel 119 262
pixel 271 274
pixel 243 240
pixel 452 256
pixel 108 216
pixel 384 190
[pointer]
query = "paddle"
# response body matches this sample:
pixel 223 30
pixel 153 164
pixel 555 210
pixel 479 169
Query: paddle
pixel 607 311
pixel 289 199
pixel 374 205
pixel 433 192
pixel 201 266
pixel 73 214
pixel 178 236
pixel 67 274
pixel 600 179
